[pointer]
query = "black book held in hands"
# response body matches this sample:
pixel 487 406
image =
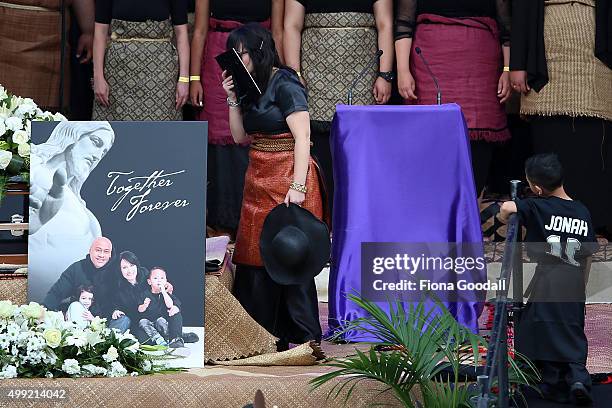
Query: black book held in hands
pixel 245 86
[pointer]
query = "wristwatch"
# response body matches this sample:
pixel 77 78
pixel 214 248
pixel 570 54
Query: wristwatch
pixel 387 76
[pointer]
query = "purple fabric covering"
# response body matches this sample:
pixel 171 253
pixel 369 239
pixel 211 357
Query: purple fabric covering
pixel 401 174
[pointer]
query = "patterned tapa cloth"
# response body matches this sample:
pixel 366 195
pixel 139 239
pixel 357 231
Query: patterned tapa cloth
pixel 579 83
pixel 265 186
pixel 30 54
pixel 336 47
pixel 209 387
pixel 141 68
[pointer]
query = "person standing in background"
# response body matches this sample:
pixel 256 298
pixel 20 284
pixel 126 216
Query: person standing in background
pixel 140 74
pixel 227 161
pixel 31 44
pixel 561 63
pixel 467 45
pixel 329 43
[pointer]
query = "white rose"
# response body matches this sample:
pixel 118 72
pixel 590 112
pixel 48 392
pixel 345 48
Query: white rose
pixel 2 127
pixel 20 137
pixel 71 366
pixel 3 93
pixel 32 311
pixel 7 308
pixel 111 354
pixel 5 159
pixel 14 124
pixel 24 150
pixel 25 109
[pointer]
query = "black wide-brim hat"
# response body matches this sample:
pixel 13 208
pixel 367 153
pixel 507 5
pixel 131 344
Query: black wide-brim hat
pixel 294 245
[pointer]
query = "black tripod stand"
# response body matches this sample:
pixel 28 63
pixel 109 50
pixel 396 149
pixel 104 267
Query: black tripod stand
pixel 497 353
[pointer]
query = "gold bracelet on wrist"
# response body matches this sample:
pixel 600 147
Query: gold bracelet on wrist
pixel 193 78
pixel 298 187
pixel 183 79
pixel 506 69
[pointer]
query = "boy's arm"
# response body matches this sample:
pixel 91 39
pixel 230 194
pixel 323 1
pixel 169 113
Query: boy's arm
pixel 145 304
pixel 507 209
pixel 167 299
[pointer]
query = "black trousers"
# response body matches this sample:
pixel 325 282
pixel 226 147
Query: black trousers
pixel 584 146
pixel 289 312
pixel 482 157
pixel 561 376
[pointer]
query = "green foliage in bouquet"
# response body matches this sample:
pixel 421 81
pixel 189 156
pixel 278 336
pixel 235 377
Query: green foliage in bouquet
pixel 35 343
pixel 16 116
pixel 422 345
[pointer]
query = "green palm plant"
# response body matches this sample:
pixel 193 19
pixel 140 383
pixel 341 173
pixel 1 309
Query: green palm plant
pixel 423 342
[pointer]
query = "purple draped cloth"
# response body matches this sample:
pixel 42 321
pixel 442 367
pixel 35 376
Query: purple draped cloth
pixel 401 174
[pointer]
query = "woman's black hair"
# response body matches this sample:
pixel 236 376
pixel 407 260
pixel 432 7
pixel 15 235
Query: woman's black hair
pixel 141 273
pixel 130 257
pixel 260 45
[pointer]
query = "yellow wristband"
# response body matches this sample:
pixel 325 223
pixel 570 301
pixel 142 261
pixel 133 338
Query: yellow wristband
pixel 194 78
pixel 183 79
pixel 506 69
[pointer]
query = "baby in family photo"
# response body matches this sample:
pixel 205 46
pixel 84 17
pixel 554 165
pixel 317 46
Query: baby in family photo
pixel 160 315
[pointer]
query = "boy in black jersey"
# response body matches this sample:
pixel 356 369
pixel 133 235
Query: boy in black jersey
pixel 561 239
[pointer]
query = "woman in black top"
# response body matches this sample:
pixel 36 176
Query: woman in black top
pixel 129 284
pixel 227 161
pixel 140 76
pixel 280 170
pixel 466 43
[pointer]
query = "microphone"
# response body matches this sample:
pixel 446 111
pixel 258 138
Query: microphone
pixel 362 74
pixel 439 95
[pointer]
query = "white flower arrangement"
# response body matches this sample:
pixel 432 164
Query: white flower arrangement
pixel 38 343
pixel 16 116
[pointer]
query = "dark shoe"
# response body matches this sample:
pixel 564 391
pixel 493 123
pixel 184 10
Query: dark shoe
pixel 177 343
pixel 190 337
pixel 580 395
pixel 282 345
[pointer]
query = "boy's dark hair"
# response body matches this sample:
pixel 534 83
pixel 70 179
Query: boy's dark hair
pixel 158 268
pixel 545 170
pixel 85 288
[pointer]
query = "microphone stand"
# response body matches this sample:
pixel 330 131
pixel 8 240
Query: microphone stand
pixel 361 75
pixel 439 94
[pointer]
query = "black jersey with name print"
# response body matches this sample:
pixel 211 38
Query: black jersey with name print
pixel 558 230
